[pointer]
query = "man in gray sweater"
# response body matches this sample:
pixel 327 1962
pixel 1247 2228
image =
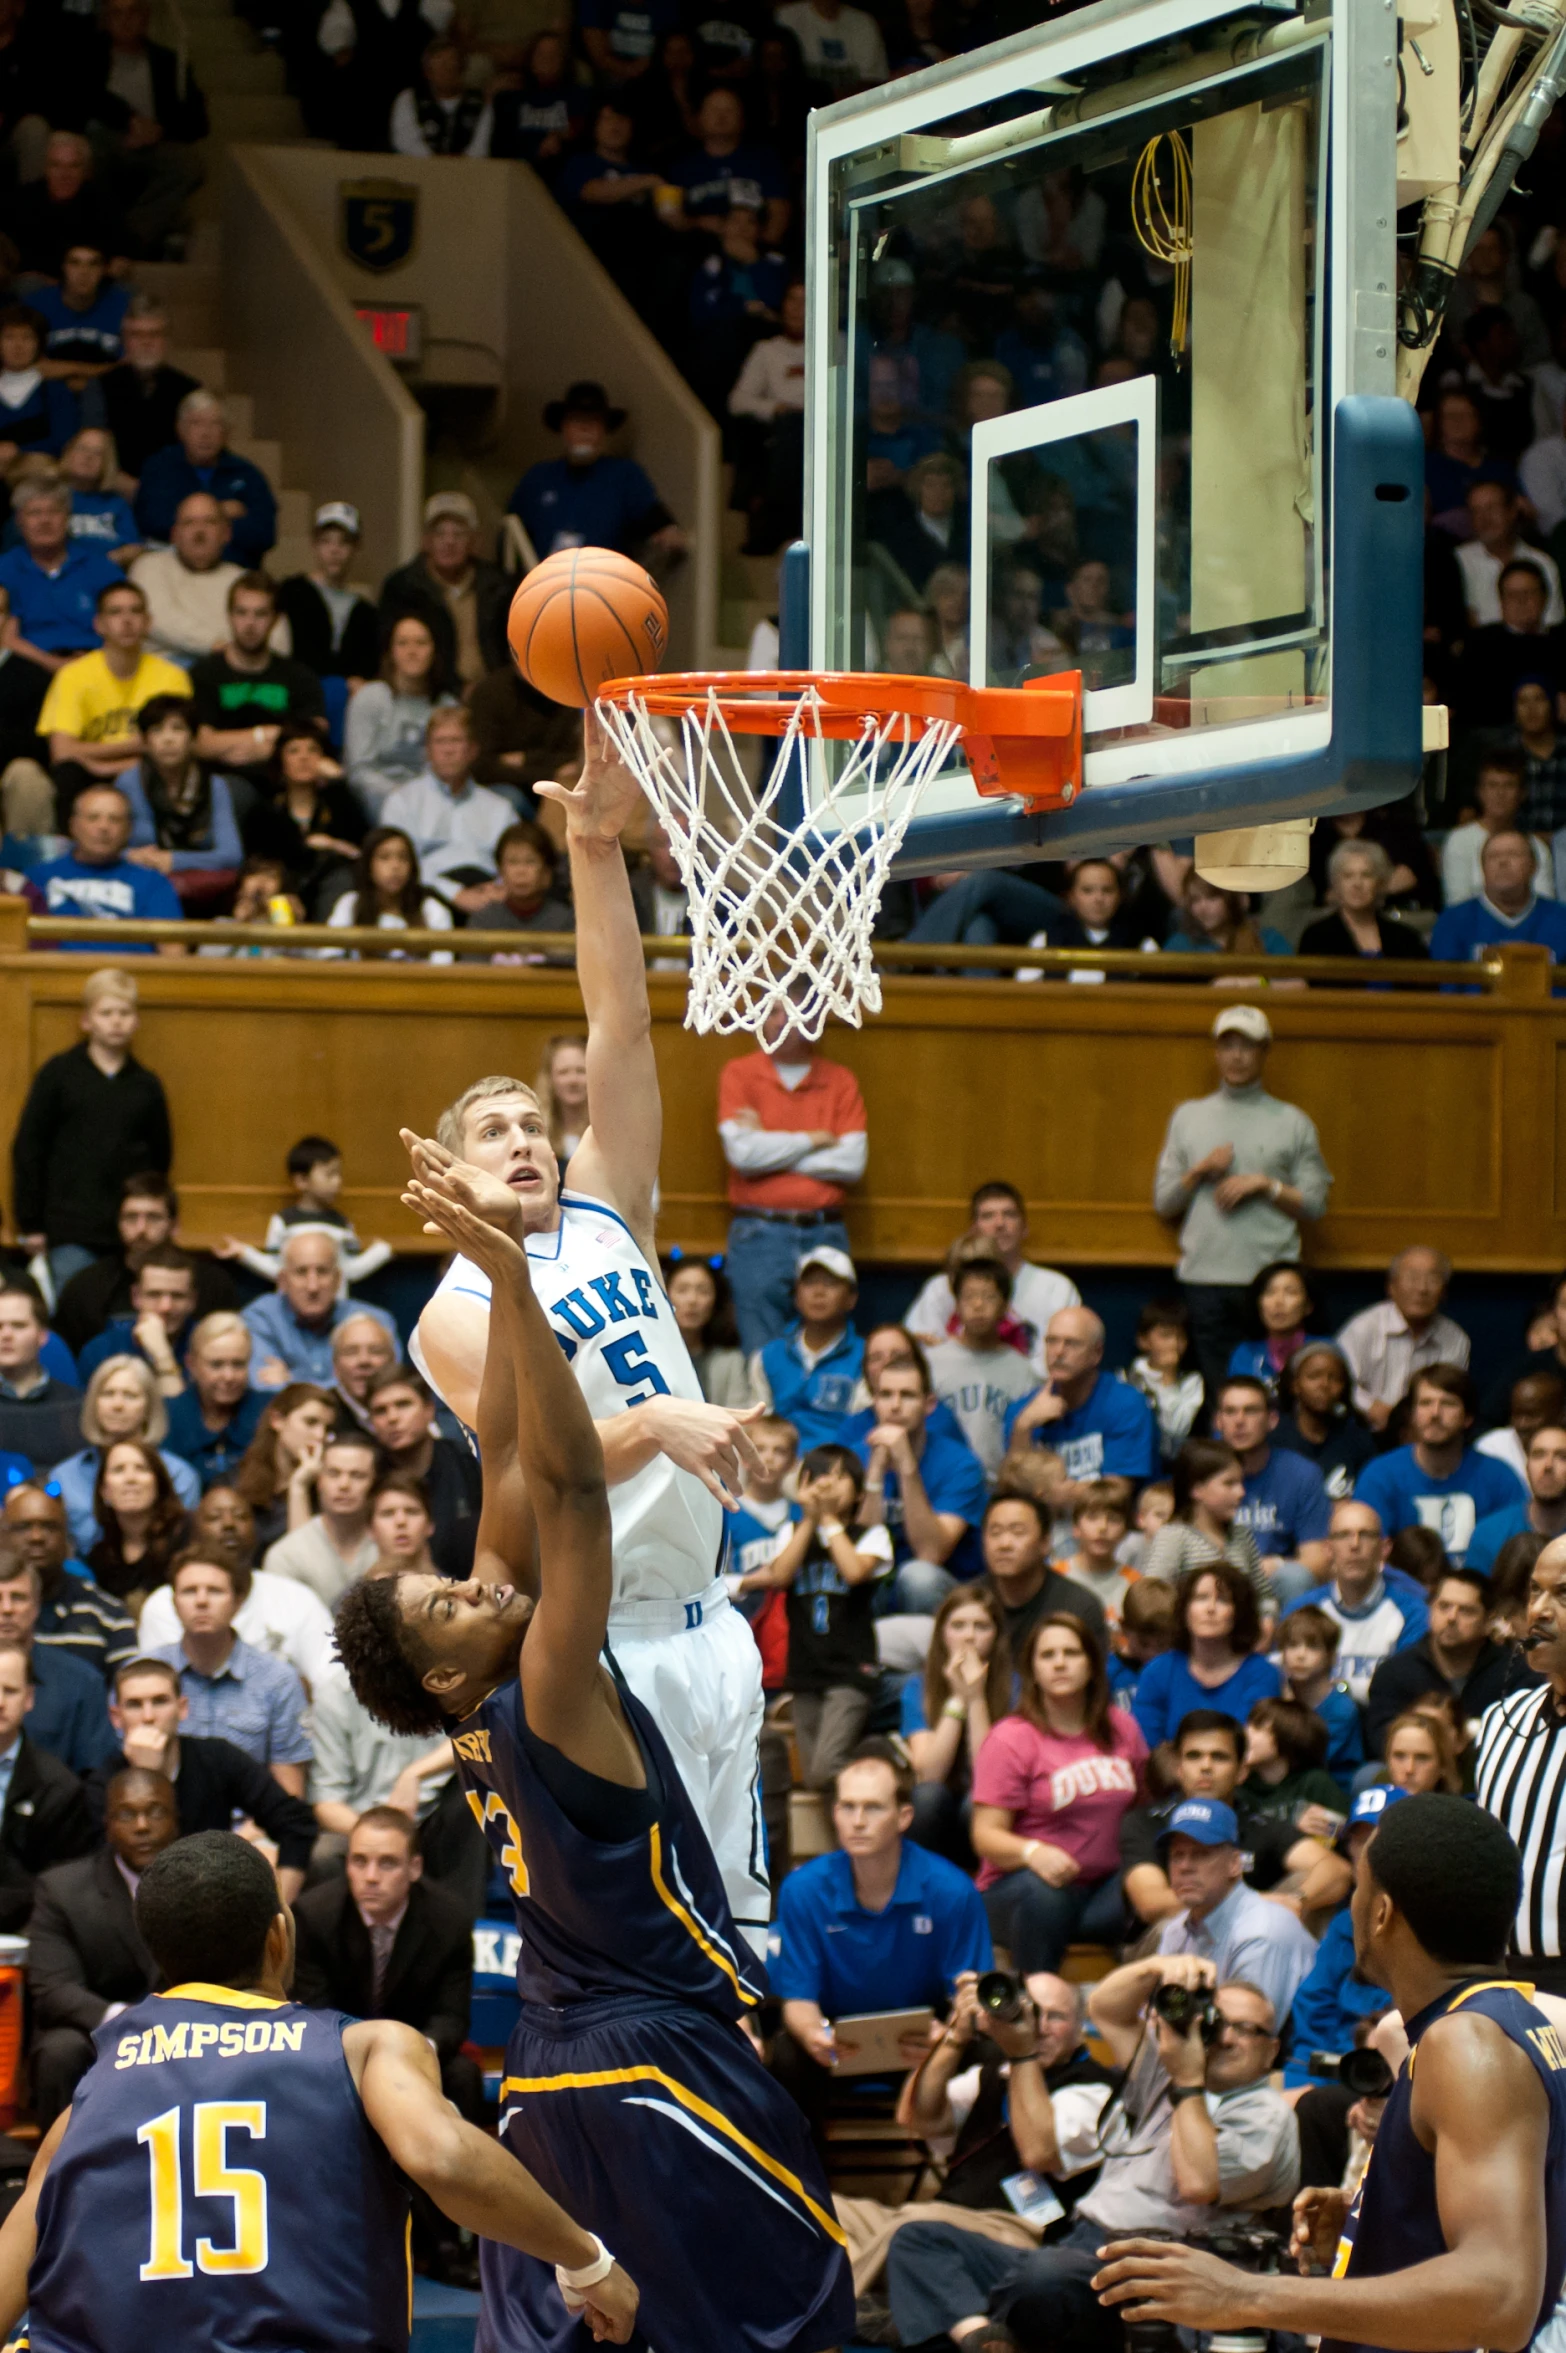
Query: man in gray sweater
pixel 1240 1170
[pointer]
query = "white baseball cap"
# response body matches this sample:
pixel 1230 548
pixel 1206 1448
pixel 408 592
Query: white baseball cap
pixel 836 1262
pixel 1244 1021
pixel 338 515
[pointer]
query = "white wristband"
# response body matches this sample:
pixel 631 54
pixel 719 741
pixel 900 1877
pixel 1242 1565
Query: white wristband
pixel 588 2277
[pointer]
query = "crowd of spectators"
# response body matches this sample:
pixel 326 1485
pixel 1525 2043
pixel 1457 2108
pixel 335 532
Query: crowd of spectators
pixel 1077 1654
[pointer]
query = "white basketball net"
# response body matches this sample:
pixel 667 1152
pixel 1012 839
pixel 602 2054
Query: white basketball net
pixel 781 914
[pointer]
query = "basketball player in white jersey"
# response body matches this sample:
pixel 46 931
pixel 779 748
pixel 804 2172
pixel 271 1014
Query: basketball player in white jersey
pixel 673 1461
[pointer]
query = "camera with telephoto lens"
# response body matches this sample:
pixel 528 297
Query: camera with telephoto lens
pixel 1185 2006
pixel 1001 1996
pixel 1363 2073
pixel 1249 2246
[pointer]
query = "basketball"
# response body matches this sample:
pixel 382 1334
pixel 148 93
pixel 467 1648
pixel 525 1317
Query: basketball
pixel 585 616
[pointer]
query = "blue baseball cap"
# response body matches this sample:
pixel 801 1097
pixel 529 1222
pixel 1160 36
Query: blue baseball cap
pixel 1369 1806
pixel 1206 1819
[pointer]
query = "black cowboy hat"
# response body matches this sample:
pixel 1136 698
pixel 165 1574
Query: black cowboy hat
pixel 584 399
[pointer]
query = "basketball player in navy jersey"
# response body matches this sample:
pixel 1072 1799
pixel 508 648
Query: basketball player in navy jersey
pixel 1457 2235
pixel 234 2170
pixel 672 1462
pixel 627 2068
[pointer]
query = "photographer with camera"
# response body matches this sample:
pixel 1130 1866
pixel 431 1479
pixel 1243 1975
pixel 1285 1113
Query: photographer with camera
pixel 1008 2101
pixel 1457 2235
pixel 1194 2127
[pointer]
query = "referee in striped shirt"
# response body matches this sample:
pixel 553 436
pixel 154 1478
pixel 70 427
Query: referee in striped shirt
pixel 1521 1778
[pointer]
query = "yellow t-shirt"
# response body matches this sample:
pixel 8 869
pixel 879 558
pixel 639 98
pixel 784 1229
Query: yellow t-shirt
pixel 86 700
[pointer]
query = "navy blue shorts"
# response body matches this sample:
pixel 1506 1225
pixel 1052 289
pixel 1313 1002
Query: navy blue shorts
pixel 658 2127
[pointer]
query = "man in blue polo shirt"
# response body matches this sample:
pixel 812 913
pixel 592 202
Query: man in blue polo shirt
pixel 810 1372
pixel 96 878
pixel 1100 1427
pixel 880 1925
pixel 585 499
pixel 1440 1481
pixel 54 581
pixel 927 1489
pixel 1287 1508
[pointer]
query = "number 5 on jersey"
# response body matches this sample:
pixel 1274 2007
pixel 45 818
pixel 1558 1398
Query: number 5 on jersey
pixel 211 2176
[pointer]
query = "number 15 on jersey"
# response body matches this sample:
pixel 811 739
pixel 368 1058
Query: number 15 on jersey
pixel 211 2176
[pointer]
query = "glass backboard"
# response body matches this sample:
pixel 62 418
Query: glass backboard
pixel 1083 309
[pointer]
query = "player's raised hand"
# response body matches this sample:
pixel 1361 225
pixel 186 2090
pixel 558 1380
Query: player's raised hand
pixel 439 1171
pixel 605 797
pixel 496 1251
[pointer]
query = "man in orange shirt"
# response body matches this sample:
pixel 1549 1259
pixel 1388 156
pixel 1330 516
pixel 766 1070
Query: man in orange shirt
pixel 793 1130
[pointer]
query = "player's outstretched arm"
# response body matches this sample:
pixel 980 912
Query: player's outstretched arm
pixel 19 2238
pixel 617 1159
pixel 473 2180
pixel 562 1464
pixel 1479 2103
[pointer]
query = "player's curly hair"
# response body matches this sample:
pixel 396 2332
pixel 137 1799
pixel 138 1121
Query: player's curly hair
pixel 382 1660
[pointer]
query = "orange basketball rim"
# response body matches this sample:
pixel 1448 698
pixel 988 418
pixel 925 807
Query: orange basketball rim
pixel 1017 740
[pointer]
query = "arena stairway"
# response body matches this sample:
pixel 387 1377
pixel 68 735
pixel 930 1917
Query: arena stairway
pixel 246 99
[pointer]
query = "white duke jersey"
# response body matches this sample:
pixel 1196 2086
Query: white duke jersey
pixel 612 1317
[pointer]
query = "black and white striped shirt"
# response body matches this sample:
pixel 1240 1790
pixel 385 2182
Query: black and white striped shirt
pixel 1521 1780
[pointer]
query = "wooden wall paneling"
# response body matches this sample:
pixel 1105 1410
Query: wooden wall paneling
pixel 1441 1117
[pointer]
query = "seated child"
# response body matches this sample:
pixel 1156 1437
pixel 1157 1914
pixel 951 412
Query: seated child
pixel 1285 1777
pixel 1307 1653
pixel 1099 1521
pixel 315 1169
pixel 755 1531
pixel 1154 1510
pixel 828 1568
pixel 1146 1627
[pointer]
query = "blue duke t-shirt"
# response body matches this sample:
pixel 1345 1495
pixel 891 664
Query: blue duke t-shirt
pixel 1408 1497
pixel 1112 1435
pixel 1286 1505
pixel 953 1480
pixel 121 893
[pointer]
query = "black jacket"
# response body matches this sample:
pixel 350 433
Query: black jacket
pixel 303 606
pixel 140 408
pixel 215 1782
pixel 83 1949
pixel 181 114
pixel 45 1426
pixel 46 1822
pixel 80 1135
pixel 44 231
pixel 1408 1674
pixel 429 1978
pixel 1329 935
pixel 413 588
pixel 91 1299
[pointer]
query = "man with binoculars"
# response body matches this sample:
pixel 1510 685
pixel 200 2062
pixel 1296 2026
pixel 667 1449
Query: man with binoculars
pixel 1193 2127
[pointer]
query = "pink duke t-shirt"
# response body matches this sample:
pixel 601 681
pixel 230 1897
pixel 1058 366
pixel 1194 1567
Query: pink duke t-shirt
pixel 1064 1790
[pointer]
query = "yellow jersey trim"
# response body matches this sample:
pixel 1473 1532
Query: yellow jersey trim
pixel 525 2084
pixel 226 1997
pixel 1482 1985
pixel 690 1926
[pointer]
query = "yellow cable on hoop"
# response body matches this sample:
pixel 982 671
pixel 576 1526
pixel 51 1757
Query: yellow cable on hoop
pixel 1164 229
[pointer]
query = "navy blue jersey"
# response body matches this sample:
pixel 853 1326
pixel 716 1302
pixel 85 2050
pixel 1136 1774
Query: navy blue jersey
pixel 646 1915
pixel 218 2186
pixel 1394 2221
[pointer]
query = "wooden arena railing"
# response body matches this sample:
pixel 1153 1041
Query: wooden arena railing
pixel 1439 1091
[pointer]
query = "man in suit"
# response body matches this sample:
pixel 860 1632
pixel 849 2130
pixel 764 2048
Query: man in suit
pixel 382 1942
pixel 86 1961
pixel 44 1817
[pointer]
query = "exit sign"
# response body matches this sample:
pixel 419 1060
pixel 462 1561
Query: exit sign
pixel 398 331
